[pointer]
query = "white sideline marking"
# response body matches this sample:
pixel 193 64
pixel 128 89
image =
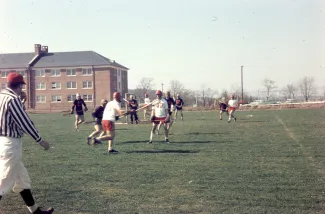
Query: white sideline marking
pixel 291 135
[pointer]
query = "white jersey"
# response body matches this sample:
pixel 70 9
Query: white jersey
pixel 110 110
pixel 147 100
pixel 232 103
pixel 160 107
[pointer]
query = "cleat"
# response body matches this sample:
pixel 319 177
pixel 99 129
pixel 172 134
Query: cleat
pixel 88 140
pixel 166 141
pixel 235 119
pixel 48 211
pixel 112 151
pixel 150 142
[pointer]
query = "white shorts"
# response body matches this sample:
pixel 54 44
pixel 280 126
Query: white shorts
pixel 13 174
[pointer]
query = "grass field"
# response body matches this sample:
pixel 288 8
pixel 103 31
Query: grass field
pixel 272 162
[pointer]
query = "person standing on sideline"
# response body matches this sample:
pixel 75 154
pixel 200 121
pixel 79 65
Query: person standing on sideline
pixel 78 103
pixel 111 112
pixel 159 115
pixel 233 104
pixel 179 106
pixel 14 122
pixel 147 103
pixel 98 116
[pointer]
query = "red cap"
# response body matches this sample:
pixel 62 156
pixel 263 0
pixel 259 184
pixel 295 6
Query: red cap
pixel 14 77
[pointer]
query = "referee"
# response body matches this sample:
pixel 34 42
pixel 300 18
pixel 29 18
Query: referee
pixel 14 122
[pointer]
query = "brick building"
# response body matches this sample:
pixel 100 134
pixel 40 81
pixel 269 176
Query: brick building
pixel 53 79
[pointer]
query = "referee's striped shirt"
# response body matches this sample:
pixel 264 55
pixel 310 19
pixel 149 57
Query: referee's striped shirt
pixel 14 121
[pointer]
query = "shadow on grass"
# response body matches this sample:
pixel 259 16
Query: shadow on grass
pixel 210 133
pixel 162 151
pixel 192 142
pixel 134 141
pixel 162 142
pixel 252 121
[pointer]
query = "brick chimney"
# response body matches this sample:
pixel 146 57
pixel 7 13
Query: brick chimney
pixel 38 49
pixel 45 49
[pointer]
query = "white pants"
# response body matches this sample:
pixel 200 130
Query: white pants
pixel 13 174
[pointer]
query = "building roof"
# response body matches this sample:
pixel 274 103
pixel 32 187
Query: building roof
pixel 15 60
pixel 56 59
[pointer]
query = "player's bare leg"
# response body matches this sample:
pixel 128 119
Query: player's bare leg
pixel 76 122
pixel 144 114
pixel 98 129
pixel 157 129
pixel 153 129
pixel 220 114
pixel 166 127
pixel 231 116
pixel 169 125
pixel 181 114
pixel 175 115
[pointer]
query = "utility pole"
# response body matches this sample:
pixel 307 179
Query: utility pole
pixel 242 84
pixel 162 87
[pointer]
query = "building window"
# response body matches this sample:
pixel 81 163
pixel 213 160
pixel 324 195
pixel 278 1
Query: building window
pixel 56 85
pixel 87 71
pixel 3 85
pixel 41 99
pixel 87 97
pixel 72 85
pixel 56 98
pixel 71 97
pixel 4 74
pixel 71 72
pixel 22 72
pixel 40 73
pixel 87 84
pixel 55 73
pixel 40 86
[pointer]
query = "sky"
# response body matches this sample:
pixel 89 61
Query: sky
pixel 200 43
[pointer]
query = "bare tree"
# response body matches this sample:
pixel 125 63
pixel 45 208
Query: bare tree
pixel 224 94
pixel 146 83
pixel 208 96
pixel 307 87
pixel 269 86
pixel 175 87
pixel 291 90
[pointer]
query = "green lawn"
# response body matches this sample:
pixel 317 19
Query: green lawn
pixel 270 162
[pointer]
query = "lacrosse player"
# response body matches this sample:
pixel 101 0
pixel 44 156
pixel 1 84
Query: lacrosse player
pixel 78 103
pixel 179 106
pixel 147 103
pixel 133 104
pixel 111 113
pixel 223 107
pixel 160 115
pixel 170 102
pixel 98 116
pixel 233 104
